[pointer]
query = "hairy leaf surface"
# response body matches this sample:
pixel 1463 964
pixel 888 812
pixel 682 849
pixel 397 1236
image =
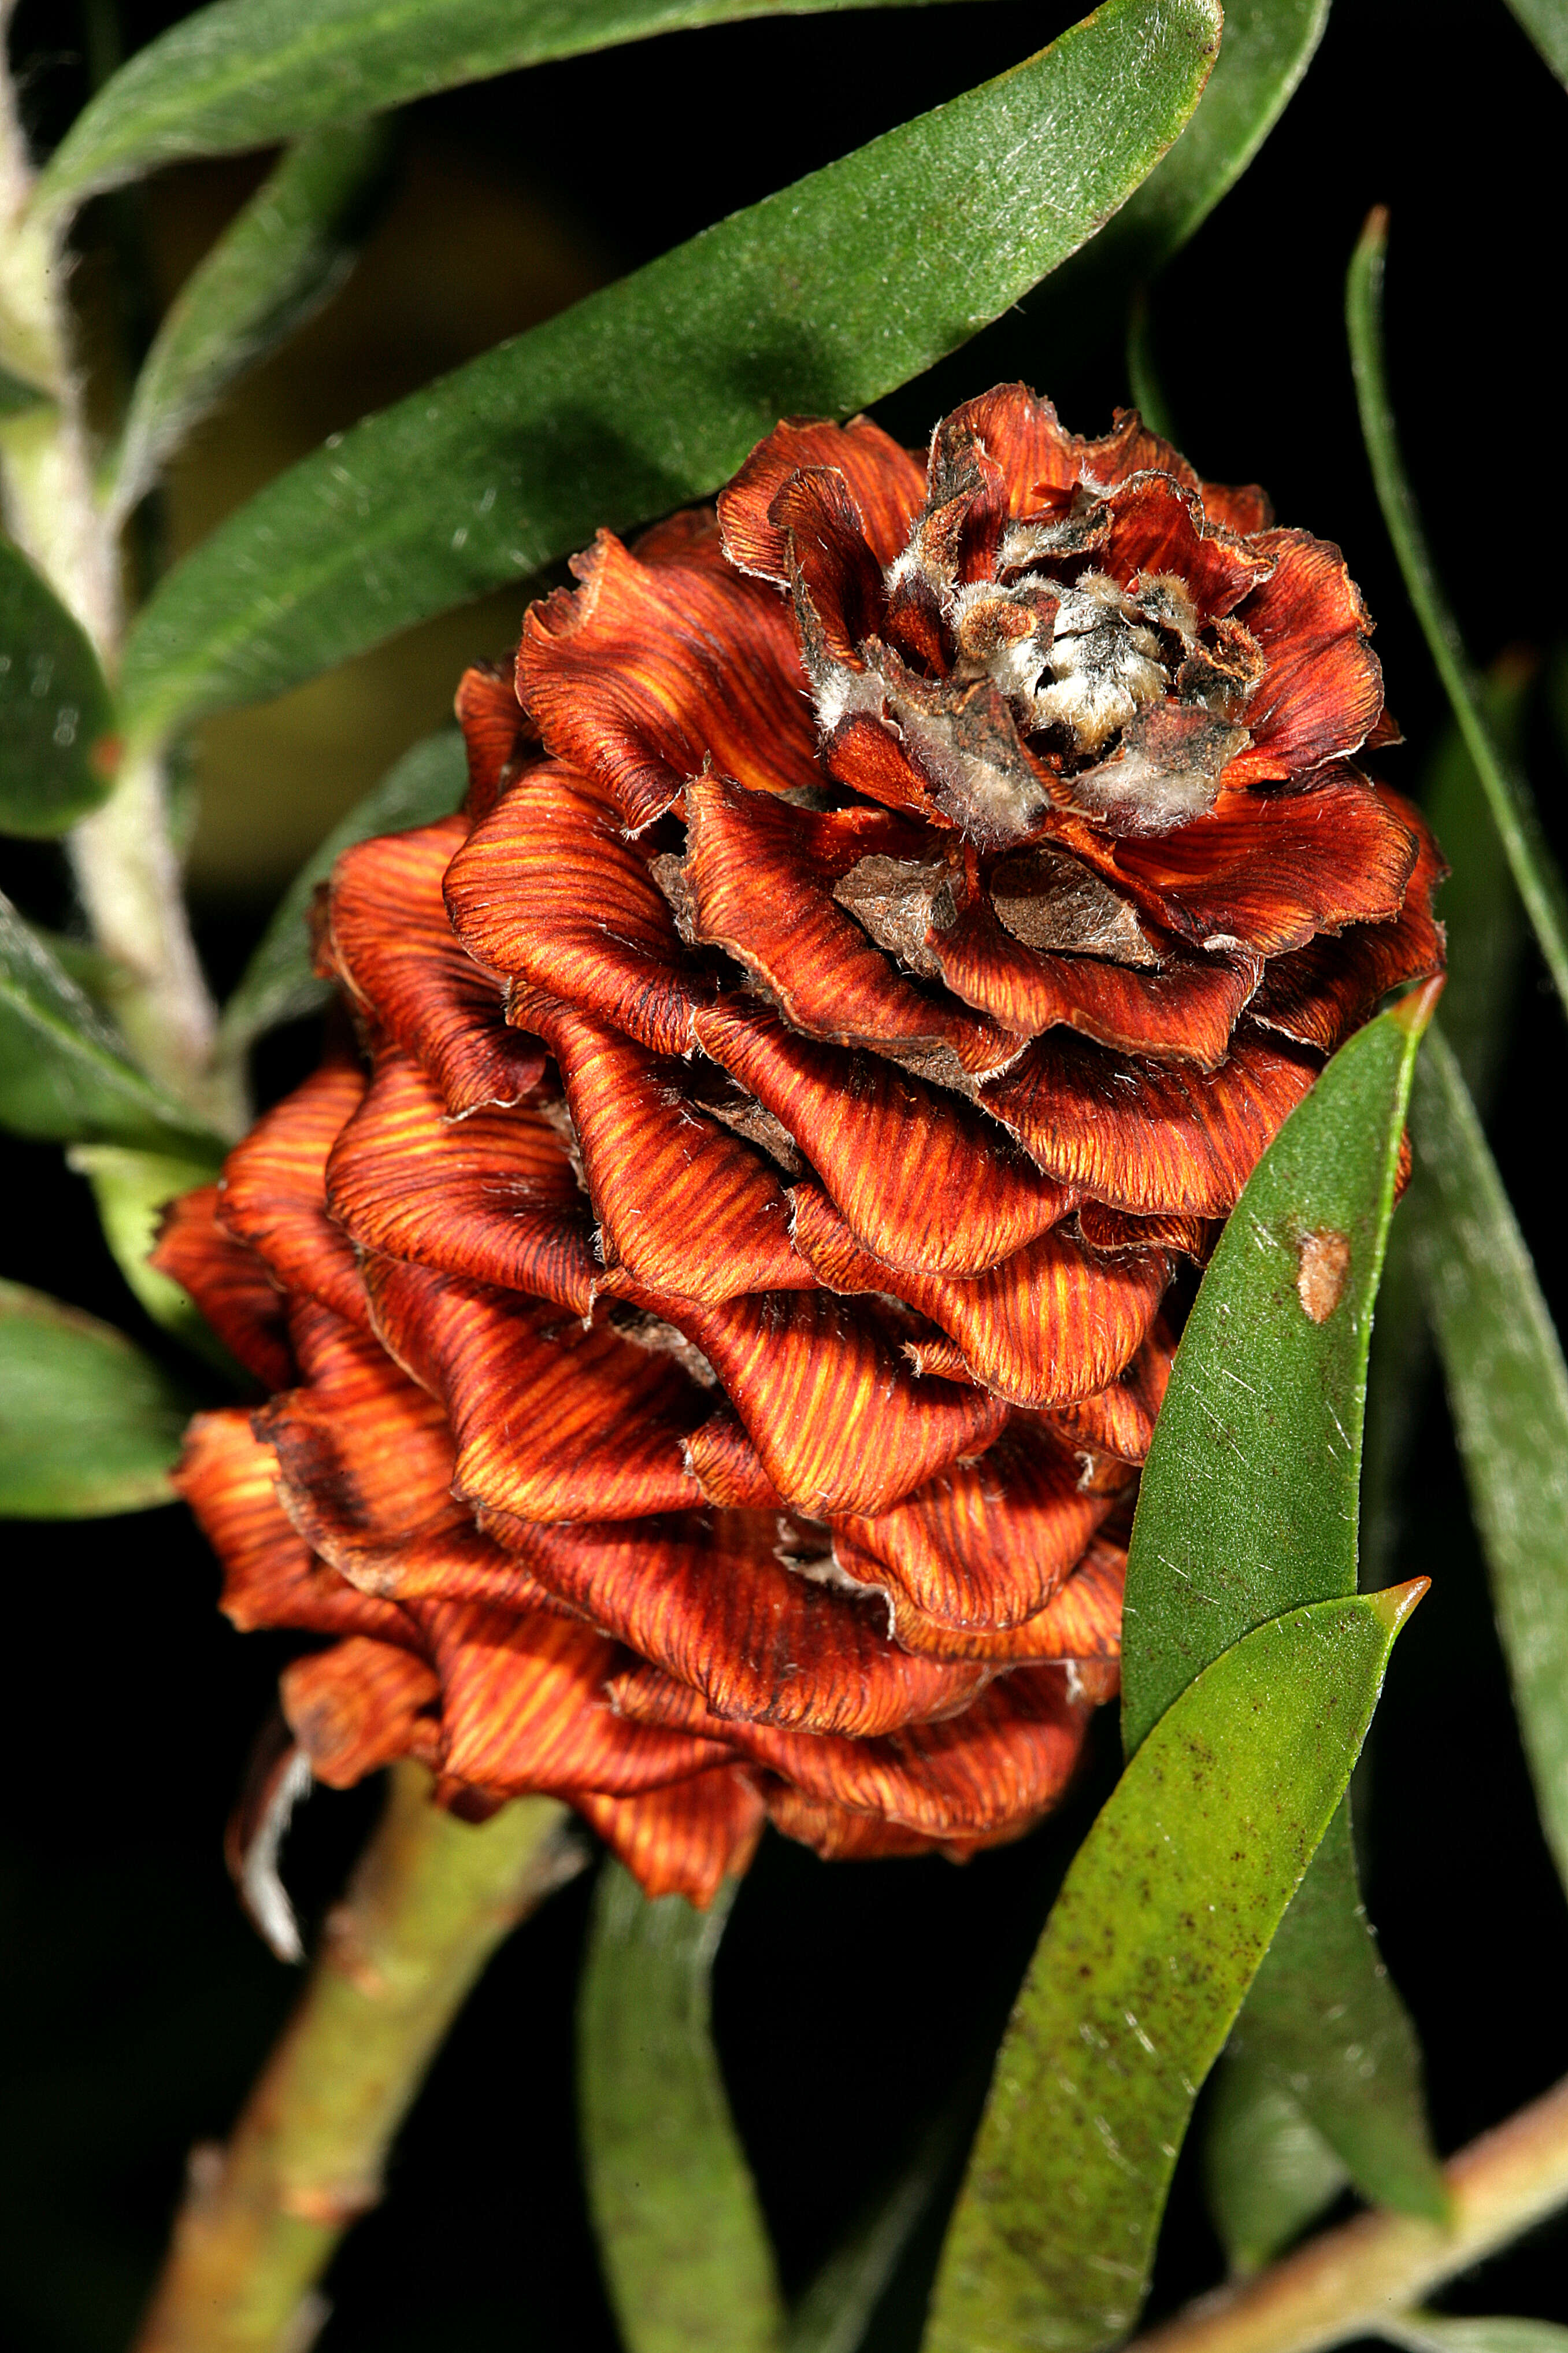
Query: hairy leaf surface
pixel 1249 1506
pixel 246 72
pixel 1325 2022
pixel 1478 903
pixel 89 1425
pixel 819 299
pixel 681 2235
pixel 55 717
pixel 16 395
pixel 131 1190
pixel 1546 22
pixel 840 2309
pixel 1507 1389
pixel 1249 1500
pixel 64 1075
pixel 1268 47
pixel 1164 1916
pixel 1267 2172
pixel 1487 938
pixel 274 266
pixel 1535 871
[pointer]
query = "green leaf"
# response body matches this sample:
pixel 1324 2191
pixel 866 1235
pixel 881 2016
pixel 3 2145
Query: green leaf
pixel 1435 2332
pixel 55 711
pixel 840 2308
pixel 1325 2022
pixel 278 984
pixel 1479 903
pixel 1535 871
pixel 64 1075
pixel 1250 1505
pixel 682 2240
pixel 97 975
pixel 131 1190
pixel 1546 22
pixel 1266 2171
pixel 1166 1915
pixel 275 265
pixel 1249 1500
pixel 16 395
pixel 1143 380
pixel 1485 945
pixel 1507 1389
pixel 248 72
pixel 87 1424
pixel 1268 47
pixel 819 299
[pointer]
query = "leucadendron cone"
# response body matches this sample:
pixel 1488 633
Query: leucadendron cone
pixel 714 1299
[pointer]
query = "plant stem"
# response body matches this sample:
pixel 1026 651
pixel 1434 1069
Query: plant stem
pixel 126 868
pixel 429 1903
pixel 128 876
pixel 1351 2282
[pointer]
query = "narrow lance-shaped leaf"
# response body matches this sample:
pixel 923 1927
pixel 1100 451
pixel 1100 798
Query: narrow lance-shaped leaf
pixel 1165 1916
pixel 1546 22
pixel 278 984
pixel 840 2307
pixel 1250 1505
pixel 96 973
pixel 819 299
pixel 1247 1504
pixel 1478 903
pixel 87 1424
pixel 131 1190
pixel 681 2237
pixel 16 395
pixel 56 749
pixel 1142 370
pixel 64 1075
pixel 1486 929
pixel 1268 47
pixel 1507 1388
pixel 1325 2022
pixel 1535 871
pixel 246 73
pixel 1266 2171
pixel 274 266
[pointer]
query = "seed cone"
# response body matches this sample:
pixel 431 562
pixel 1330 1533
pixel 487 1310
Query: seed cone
pixel 713 1311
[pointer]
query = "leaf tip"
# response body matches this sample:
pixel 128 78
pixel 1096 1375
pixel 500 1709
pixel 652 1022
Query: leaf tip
pixel 1394 1603
pixel 1373 237
pixel 1415 1011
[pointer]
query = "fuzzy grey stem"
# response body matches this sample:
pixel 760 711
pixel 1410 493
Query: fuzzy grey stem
pixel 126 868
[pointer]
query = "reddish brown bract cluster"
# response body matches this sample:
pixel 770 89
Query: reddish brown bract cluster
pixel 715 1339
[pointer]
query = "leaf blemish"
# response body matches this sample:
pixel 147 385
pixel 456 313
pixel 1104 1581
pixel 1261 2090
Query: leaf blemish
pixel 1322 1268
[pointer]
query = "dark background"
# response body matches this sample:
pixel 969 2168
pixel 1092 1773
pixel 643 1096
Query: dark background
pixel 137 2002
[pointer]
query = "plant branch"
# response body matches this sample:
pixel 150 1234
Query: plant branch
pixel 1355 2281
pixel 429 1903
pixel 126 868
